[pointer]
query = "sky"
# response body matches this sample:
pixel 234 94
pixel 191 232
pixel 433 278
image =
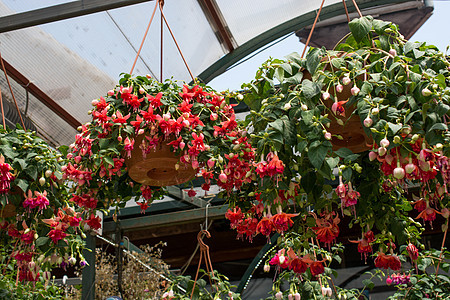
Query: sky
pixel 435 31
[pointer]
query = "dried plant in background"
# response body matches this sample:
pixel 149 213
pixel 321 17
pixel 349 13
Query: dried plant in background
pixel 138 281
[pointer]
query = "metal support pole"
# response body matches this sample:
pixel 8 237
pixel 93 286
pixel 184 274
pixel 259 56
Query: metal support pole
pixel 88 278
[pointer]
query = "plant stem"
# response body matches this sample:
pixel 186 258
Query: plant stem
pixel 442 247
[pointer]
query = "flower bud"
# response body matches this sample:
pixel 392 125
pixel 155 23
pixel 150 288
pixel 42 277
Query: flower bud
pixel 141 91
pixel 279 295
pixel 426 92
pixel 399 173
pixel 304 107
pixel 368 122
pixel 339 88
pixel 393 52
pixel 223 177
pixel 372 155
pixel 326 96
pixel 266 268
pixel 375 111
pixel 110 93
pixel 382 151
pixel 287 106
pixel 240 97
pixel 355 91
pixel 346 80
pixel 42 181
pixel 384 143
pixel 327 135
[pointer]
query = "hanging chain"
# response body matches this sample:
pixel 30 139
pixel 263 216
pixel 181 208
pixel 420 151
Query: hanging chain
pixel 317 17
pixel 160 3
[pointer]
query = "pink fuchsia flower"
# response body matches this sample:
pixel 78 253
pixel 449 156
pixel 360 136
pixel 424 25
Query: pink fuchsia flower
pixel 338 108
pixel 128 146
pixel 413 252
pixel 56 234
pixel 5 175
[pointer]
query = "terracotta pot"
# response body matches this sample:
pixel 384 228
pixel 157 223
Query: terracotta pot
pixel 352 132
pixel 8 211
pixel 158 167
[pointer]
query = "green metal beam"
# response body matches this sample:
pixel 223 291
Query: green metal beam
pixel 60 12
pixel 166 219
pixel 88 280
pixel 281 30
pixel 255 263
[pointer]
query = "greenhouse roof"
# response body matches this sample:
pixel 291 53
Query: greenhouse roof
pixel 62 56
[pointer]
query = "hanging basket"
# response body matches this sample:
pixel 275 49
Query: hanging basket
pixel 352 132
pixel 158 167
pixel 8 211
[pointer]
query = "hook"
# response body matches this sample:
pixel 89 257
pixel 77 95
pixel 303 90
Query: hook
pixel 203 246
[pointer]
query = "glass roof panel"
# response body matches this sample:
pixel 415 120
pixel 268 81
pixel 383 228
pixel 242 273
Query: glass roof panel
pixel 251 20
pixel 26 5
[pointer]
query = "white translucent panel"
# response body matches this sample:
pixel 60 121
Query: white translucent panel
pixel 191 29
pixel 255 17
pixel 27 5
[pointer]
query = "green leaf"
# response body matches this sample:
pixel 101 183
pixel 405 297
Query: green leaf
pixel 109 160
pixel 317 155
pixel 310 89
pixel 332 161
pixel 418 54
pixel 343 152
pixel 313 60
pixel 279 74
pixel 440 80
pixel 302 145
pixel 21 163
pixel 8 151
pixel 22 184
pixel 308 181
pixel 368 283
pixel 287 67
pixel 32 172
pixel 42 240
pixel 296 79
pixel 394 127
pixel 439 126
pixel 360 28
pixel 366 88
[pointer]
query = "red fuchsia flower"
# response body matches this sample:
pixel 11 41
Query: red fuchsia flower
pixel 327 228
pixel 192 193
pixel 316 268
pixel 275 166
pixel 413 252
pixel 94 222
pixel 364 244
pixel 265 226
pixel 56 234
pixel 338 108
pixel 297 264
pixel 146 192
pixel 247 227
pixel 28 238
pixel 143 205
pixel 384 261
pixel 5 175
pixel 428 214
pixel 235 216
pixel 120 119
pixel 155 101
pixel 282 221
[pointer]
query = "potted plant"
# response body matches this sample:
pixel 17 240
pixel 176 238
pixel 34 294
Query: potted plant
pixel 117 155
pixel 307 179
pixel 40 230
